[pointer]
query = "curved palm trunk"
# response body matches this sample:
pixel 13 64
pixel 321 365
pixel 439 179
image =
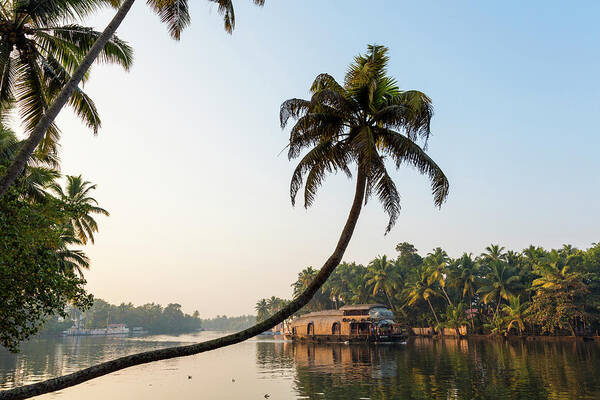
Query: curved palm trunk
pixel 389 300
pixel 50 115
pixel 96 371
pixel 433 311
pixel 447 298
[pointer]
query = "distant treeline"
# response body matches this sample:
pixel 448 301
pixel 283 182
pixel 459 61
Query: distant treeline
pixel 152 317
pixel 225 323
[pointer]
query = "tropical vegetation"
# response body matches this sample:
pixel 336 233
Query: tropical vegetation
pixel 42 229
pixel 533 292
pixel 349 128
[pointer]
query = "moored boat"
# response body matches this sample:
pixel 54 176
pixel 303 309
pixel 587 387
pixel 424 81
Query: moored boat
pixel 352 323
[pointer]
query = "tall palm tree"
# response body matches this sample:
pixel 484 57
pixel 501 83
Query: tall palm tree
pixel 77 196
pixel 38 54
pixel 499 284
pixel 65 81
pixel 381 275
pixel 437 263
pixel 422 288
pixel 359 122
pixel 493 252
pixel 262 310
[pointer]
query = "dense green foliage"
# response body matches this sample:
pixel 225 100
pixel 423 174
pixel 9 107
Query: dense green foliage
pixel 40 47
pixel 225 323
pixel 535 291
pixel 152 317
pixel 40 271
pixel 35 278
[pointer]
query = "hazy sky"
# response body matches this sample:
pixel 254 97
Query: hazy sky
pixel 188 158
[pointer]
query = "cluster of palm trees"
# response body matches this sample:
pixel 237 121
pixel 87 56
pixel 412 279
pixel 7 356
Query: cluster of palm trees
pixel 534 291
pixel 267 307
pixel 39 184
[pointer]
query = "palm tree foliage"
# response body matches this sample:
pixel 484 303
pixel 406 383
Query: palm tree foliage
pixel 53 59
pixel 40 48
pixel 77 196
pixel 361 122
pixel 497 292
pixel 42 262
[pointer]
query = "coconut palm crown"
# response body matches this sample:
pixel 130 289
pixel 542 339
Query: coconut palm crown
pixel 363 121
pixel 40 48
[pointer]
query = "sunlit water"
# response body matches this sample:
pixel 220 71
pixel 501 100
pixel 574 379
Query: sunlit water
pixel 421 369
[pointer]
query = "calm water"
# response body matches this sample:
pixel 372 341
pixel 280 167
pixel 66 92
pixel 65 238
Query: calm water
pixel 421 369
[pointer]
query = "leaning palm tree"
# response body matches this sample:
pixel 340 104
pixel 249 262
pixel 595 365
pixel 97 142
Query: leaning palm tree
pixel 39 52
pixel 65 81
pixel 351 125
pixel 423 287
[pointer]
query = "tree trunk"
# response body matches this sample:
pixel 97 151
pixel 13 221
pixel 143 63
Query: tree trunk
pixel 389 300
pixel 447 298
pixel 433 311
pixel 20 161
pixel 96 371
pixel 497 306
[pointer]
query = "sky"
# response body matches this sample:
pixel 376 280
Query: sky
pixel 189 162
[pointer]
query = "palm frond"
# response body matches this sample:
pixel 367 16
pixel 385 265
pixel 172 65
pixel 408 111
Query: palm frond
pixel 174 13
pixel 404 150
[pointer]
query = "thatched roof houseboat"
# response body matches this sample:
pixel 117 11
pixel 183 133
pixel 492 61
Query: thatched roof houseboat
pixel 359 322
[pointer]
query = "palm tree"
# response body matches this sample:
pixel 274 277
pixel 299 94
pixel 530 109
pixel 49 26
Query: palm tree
pixel 359 122
pixel 515 313
pixel 499 284
pixel 493 252
pixel 65 81
pixel 422 287
pixel 554 272
pixel 39 172
pixel 39 53
pixel 455 318
pixel 381 275
pixel 77 196
pixel 72 259
pixel 262 310
pixel 437 263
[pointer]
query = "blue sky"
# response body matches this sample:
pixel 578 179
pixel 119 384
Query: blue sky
pixel 188 158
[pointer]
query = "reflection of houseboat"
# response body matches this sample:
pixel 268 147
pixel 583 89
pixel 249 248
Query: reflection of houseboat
pixel 355 323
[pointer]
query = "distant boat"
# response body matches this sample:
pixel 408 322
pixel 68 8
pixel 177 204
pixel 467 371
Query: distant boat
pixel 111 329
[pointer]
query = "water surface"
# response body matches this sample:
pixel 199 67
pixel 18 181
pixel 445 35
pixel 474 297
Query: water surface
pixel 421 369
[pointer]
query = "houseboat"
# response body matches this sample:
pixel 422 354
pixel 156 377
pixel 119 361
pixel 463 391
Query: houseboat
pixel 355 323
